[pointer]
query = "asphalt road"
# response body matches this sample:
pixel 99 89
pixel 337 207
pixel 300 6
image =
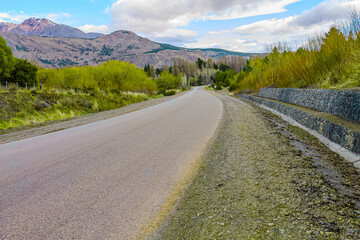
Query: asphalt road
pixel 103 180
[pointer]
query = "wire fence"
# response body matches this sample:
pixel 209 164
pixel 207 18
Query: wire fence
pixel 11 86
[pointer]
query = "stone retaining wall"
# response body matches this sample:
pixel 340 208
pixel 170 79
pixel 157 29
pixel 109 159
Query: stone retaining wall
pixel 344 104
pixel 334 132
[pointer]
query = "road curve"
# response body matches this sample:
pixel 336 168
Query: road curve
pixel 106 179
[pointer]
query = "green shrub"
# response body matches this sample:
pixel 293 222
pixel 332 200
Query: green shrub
pixel 170 93
pixel 335 63
pixel 109 76
pixel 165 92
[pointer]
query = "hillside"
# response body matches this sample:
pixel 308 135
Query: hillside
pixel 120 45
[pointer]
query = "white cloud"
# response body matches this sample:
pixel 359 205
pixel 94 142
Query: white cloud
pixel 327 11
pixel 278 26
pixel 325 14
pixel 57 16
pixel 251 8
pixel 92 28
pixel 148 16
pixel 107 10
pixel 229 41
pixel 12 17
pixel 175 36
pixel 294 30
pixel 158 20
pixel 219 32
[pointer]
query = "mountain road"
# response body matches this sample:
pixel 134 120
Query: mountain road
pixel 103 180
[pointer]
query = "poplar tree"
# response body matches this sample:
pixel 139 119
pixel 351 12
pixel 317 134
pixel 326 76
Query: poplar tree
pixel 6 60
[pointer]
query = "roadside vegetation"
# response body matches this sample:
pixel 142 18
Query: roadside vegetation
pixel 329 61
pixel 30 94
pixel 332 61
pixel 28 107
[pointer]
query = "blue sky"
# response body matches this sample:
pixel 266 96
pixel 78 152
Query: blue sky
pixel 238 25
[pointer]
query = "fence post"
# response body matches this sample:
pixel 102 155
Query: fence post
pixel 26 86
pixel 17 86
pixel 6 84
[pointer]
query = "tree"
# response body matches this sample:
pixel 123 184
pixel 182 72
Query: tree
pixel 6 60
pixel 210 63
pixel 167 81
pixel 223 78
pixel 23 72
pixel 248 68
pixel 224 67
pixel 158 71
pixel 175 69
pixel 152 71
pixel 200 80
pixel 200 63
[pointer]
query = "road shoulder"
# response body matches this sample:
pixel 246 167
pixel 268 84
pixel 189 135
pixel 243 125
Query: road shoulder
pixel 262 178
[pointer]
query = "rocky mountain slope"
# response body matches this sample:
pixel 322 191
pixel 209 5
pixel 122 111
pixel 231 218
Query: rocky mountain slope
pixel 72 48
pixel 45 28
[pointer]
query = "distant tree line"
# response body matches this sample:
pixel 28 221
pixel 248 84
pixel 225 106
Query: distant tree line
pixel 200 72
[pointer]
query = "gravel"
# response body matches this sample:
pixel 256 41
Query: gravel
pixel 264 179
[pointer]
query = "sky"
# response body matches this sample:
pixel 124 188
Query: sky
pixel 236 25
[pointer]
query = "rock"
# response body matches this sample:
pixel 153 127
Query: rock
pixel 39 105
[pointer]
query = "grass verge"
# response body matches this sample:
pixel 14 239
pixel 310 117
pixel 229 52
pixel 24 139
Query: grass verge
pixel 255 184
pixel 26 108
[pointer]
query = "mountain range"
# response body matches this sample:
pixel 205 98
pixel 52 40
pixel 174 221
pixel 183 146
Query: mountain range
pixel 58 45
pixel 43 27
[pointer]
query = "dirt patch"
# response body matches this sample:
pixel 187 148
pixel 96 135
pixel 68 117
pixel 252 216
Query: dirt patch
pixel 264 179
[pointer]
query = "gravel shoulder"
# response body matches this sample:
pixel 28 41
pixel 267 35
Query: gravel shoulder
pixel 264 179
pixel 19 133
